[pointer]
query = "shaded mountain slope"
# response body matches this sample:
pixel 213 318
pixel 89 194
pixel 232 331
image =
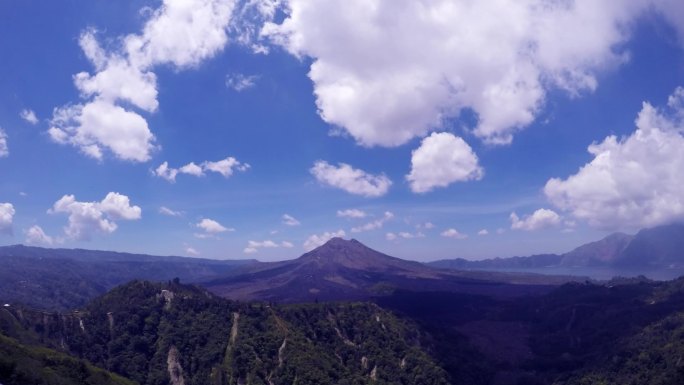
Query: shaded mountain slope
pixel 600 253
pixel 660 246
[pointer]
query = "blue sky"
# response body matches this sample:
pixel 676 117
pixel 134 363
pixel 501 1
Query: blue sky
pixel 463 134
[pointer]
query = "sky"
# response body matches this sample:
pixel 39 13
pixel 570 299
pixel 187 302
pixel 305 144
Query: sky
pixel 260 129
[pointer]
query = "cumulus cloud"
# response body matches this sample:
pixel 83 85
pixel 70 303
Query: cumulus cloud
pixel 224 167
pixel 453 233
pixel 351 180
pixel 315 240
pixel 240 82
pixel 87 218
pixel 289 220
pixel 181 33
pixel 540 219
pixel 351 213
pixel 29 116
pixel 374 225
pixel 4 149
pixel 483 232
pixel 211 228
pixel 191 169
pixel 36 236
pixel 388 71
pixel 168 212
pixel 634 181
pixel 442 159
pixel 100 124
pixel 254 246
pixel 191 251
pixel 6 217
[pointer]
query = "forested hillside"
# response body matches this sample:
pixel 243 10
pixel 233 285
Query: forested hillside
pixel 155 333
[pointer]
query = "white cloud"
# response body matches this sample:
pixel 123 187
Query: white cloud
pixel 351 180
pixel 388 71
pixel 453 233
pixel 250 250
pixel 180 32
pixel 246 24
pixel 191 251
pixel 540 219
pixel 101 124
pixel 426 225
pixel 483 232
pixel 168 212
pixel 191 169
pixel 211 228
pixel 374 225
pixel 166 172
pixel 36 236
pixel 254 246
pixel 224 167
pixel 240 82
pixel 4 149
pixel 29 116
pixel 442 159
pixel 315 240
pixel 634 181
pixel 351 213
pixel 390 236
pixel 290 220
pixel 6 217
pixel 86 218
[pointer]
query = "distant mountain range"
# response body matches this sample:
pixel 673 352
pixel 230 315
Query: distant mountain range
pixel 338 270
pixel 65 278
pixel 650 249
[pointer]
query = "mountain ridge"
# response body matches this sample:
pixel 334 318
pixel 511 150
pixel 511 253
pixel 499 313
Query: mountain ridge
pixel 660 247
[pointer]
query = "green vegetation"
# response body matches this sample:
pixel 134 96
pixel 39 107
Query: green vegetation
pixel 21 365
pixel 150 332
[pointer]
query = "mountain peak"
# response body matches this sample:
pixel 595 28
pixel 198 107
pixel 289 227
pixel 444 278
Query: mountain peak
pixel 338 252
pixel 338 242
